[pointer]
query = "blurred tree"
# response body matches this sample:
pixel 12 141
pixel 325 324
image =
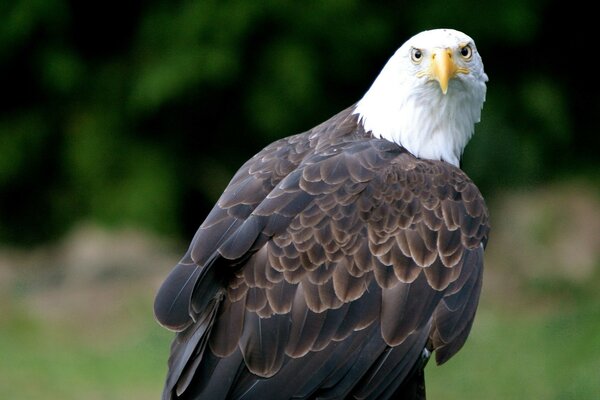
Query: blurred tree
pixel 139 113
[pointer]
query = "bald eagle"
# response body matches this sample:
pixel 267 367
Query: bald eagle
pixel 338 260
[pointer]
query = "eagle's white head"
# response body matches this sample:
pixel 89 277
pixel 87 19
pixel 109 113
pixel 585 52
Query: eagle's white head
pixel 428 96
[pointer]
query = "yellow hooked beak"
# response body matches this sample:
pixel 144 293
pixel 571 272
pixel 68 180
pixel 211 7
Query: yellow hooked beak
pixel 443 68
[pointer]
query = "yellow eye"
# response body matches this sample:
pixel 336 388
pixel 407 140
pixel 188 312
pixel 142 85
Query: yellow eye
pixel 416 55
pixel 466 52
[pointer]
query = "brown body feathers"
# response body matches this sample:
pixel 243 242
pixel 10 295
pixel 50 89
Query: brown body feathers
pixel 328 265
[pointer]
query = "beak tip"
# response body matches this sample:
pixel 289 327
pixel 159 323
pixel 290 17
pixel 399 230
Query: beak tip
pixel 444 89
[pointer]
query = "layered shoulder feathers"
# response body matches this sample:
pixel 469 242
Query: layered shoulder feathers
pixel 331 266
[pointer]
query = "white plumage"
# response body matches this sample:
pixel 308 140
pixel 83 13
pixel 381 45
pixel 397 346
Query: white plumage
pixel 406 103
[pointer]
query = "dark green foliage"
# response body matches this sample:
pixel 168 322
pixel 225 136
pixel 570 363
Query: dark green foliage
pixel 140 112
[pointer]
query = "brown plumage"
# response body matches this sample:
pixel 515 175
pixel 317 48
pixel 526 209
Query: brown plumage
pixel 331 266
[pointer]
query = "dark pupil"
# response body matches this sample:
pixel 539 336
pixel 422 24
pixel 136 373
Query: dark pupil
pixel 417 54
pixel 464 51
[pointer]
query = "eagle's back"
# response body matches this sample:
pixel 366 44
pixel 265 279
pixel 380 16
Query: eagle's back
pixel 332 263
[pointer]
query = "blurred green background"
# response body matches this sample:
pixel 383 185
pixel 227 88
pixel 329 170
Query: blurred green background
pixel 120 125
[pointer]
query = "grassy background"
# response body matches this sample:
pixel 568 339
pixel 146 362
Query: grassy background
pixel 525 353
pixel 82 326
pixel 123 359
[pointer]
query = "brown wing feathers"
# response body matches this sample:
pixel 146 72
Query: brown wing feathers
pixel 316 246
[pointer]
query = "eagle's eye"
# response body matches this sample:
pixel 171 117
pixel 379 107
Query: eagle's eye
pixel 466 52
pixel 416 55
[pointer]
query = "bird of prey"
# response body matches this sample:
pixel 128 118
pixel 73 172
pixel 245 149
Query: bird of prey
pixel 338 260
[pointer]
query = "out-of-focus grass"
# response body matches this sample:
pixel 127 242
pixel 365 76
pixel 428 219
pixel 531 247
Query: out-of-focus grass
pixel 76 317
pixel 510 355
pixel 47 359
pixel 554 354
